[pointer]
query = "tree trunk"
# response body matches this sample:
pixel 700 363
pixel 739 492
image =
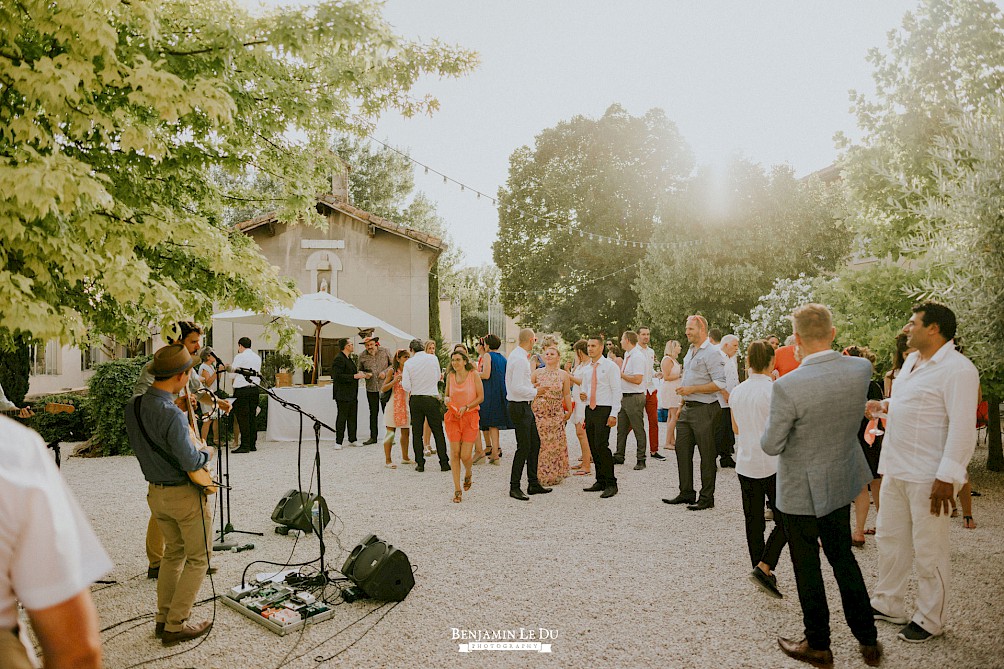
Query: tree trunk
pixel 995 455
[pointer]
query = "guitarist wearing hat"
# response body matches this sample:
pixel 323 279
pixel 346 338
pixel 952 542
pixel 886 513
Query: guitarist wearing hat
pixel 167 450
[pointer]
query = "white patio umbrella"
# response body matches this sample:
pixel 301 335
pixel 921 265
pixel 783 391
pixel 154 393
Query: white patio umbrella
pixel 325 315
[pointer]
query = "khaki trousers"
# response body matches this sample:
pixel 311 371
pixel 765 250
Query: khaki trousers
pixel 186 521
pixel 13 653
pixel 908 536
pixel 154 543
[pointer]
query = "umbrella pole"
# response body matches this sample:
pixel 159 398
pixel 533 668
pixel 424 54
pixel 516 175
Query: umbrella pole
pixel 317 347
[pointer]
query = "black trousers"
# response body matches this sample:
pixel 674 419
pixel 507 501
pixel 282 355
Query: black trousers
pixel 725 438
pixel 755 493
pixel 834 531
pixel 527 445
pixel 695 429
pixel 348 414
pixel 426 408
pixel 373 399
pixel 245 410
pixel 598 437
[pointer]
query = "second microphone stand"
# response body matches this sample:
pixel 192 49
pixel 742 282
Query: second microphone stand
pixel 318 424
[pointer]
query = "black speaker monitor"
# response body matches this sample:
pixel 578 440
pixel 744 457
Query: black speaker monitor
pixel 295 510
pixel 382 571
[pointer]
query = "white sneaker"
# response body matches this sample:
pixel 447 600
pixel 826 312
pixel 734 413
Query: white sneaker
pixel 338 446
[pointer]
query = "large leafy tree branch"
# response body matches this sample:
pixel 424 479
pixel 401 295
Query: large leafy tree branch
pixel 113 114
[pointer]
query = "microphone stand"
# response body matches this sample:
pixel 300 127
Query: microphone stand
pixel 223 475
pixel 318 424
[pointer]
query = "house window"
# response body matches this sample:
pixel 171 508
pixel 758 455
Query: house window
pixel 89 357
pixel 44 358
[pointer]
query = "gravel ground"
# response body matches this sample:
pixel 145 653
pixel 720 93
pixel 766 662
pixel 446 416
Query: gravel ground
pixel 623 582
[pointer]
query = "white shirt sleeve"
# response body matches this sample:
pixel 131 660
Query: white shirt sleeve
pixel 613 379
pixel 406 376
pixel 961 392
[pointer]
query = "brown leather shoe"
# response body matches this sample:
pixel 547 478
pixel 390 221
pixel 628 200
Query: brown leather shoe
pixel 800 650
pixel 872 654
pixel 187 633
pixel 158 630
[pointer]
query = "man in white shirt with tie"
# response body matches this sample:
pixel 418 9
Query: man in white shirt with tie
pixel 520 393
pixel 601 391
pixel 651 396
pixel 420 379
pixel 632 413
pixel 930 436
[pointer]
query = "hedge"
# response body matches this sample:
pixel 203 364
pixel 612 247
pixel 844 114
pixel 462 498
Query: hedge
pixel 63 427
pixel 109 389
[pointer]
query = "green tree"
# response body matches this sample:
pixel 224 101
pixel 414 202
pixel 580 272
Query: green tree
pixel 615 177
pixel 920 182
pixel 113 115
pixel 762 227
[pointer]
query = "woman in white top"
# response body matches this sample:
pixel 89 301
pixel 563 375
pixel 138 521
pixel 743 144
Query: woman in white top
pixel 579 407
pixel 757 471
pixel 208 371
pixel 672 373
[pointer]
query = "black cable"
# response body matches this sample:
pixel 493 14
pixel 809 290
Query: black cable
pixel 321 643
pixel 321 660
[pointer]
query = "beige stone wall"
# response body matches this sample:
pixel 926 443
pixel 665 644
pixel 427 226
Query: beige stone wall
pixel 384 274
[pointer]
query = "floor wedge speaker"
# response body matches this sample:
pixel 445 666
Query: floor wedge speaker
pixel 380 570
pixel 295 509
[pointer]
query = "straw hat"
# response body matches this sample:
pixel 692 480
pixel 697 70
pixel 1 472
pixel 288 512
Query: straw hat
pixel 171 361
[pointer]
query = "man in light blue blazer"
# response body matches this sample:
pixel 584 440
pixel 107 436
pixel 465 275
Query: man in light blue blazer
pixel 815 413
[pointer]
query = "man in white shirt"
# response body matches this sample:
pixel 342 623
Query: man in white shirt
pixel 520 392
pixel 632 413
pixel 49 556
pixel 651 397
pixel 246 395
pixel 601 392
pixel 420 379
pixel 724 438
pixel 930 437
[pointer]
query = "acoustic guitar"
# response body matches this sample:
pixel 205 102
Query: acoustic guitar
pixel 50 407
pixel 200 478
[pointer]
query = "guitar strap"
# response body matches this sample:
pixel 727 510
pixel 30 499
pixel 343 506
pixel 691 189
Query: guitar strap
pixel 173 461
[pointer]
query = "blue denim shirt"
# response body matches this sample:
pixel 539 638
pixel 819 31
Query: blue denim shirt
pixel 168 428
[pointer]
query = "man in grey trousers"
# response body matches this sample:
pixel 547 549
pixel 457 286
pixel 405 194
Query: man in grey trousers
pixel 815 414
pixel 632 413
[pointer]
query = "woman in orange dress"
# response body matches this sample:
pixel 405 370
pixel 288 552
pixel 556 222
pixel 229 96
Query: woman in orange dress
pixel 396 414
pixel 549 408
pixel 464 394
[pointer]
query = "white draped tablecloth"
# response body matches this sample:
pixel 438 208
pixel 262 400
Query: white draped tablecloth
pixel 284 424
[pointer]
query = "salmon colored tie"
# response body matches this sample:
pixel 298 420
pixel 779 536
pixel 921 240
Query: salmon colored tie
pixel 592 389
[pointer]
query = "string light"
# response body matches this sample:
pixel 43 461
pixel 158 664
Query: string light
pixel 537 219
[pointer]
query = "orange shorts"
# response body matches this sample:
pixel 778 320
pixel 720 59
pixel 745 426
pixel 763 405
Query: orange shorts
pixel 464 428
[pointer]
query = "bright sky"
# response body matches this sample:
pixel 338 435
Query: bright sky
pixel 768 80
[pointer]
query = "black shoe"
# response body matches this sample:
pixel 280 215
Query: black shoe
pixel 153 572
pixel 640 465
pixel 369 441
pixel 914 633
pixel 657 455
pixel 766 581
pixel 728 462
pixel 609 492
pixel 879 615
pixel 516 493
pixel 158 630
pixel 596 487
pixel 537 490
pixel 211 570
pixel 420 468
pixel 444 468
pixel 618 461
pixel 701 506
pixel 242 449
pixel 680 499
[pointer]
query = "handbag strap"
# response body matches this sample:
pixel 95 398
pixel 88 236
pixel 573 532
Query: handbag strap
pixel 173 461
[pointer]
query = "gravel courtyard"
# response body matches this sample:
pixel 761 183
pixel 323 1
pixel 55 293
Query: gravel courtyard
pixel 624 582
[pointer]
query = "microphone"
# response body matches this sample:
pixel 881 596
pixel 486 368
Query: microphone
pixel 246 373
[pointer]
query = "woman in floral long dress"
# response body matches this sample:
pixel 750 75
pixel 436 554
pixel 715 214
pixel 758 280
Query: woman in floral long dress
pixel 549 408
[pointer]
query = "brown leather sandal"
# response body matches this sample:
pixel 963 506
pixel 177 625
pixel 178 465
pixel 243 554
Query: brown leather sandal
pixel 467 483
pixel 457 497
